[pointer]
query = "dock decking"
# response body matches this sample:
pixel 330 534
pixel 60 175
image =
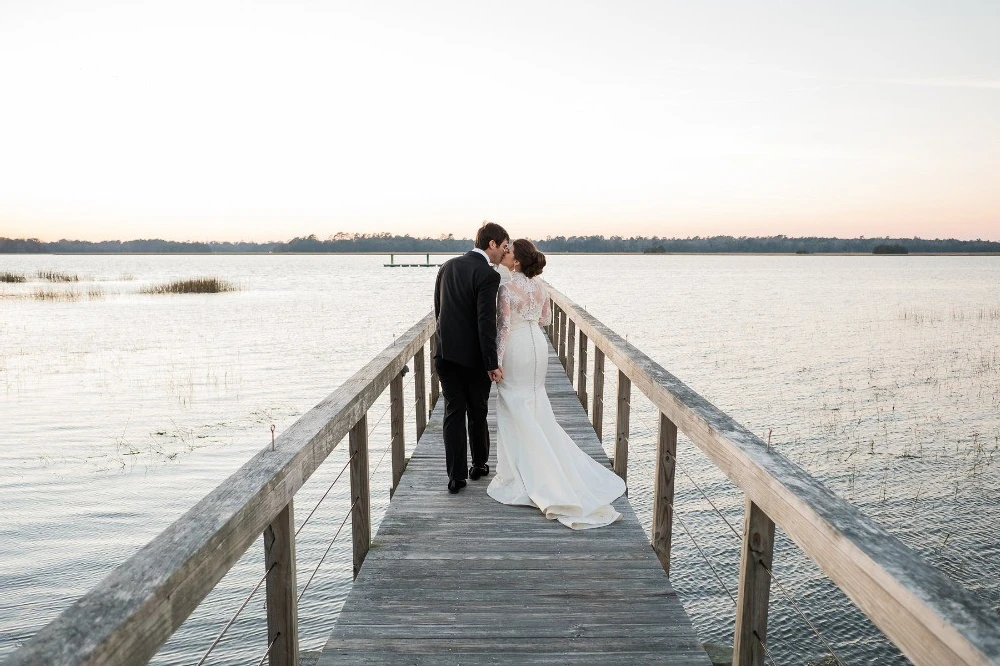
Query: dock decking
pixel 461 579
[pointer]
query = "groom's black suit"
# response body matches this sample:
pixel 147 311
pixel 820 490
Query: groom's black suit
pixel 465 304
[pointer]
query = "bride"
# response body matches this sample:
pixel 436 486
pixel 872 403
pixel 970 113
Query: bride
pixel 537 462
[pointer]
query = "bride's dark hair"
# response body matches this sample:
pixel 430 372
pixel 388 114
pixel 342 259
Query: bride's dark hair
pixel 532 261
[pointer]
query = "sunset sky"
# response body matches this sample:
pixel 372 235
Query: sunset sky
pixel 226 120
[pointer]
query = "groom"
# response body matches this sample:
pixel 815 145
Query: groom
pixel 465 304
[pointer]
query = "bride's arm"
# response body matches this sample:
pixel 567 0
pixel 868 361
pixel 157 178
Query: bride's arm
pixel 503 322
pixel 546 317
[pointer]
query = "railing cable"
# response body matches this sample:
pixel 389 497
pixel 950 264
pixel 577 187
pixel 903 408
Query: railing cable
pixel 236 615
pixel 739 537
pixel 327 552
pixel 346 465
pixel 764 646
pixel 707 560
pixel 269 646
pixel 788 597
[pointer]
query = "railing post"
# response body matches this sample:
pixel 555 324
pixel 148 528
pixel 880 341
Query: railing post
pixel 420 390
pixel 754 588
pixel 663 491
pixel 556 314
pixel 621 426
pixel 562 338
pixel 282 591
pixel 571 350
pixel 597 412
pixel 361 515
pixel 398 437
pixel 581 373
pixel 435 380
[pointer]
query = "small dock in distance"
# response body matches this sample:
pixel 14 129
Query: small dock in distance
pixel 427 263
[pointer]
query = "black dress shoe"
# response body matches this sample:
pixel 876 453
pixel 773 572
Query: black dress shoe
pixel 478 472
pixel 455 485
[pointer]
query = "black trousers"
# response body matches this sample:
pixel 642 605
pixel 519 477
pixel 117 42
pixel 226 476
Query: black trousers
pixel 466 394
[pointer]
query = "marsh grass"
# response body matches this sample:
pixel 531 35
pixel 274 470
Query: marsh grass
pixel 209 285
pixel 56 276
pixel 55 295
pixel 12 278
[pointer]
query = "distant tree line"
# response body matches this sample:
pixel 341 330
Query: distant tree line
pixel 388 243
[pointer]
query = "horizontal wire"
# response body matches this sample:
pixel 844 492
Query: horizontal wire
pixel 342 523
pixel 233 618
pixel 325 494
pixel 388 407
pixel 707 561
pixel 270 645
pixel 805 617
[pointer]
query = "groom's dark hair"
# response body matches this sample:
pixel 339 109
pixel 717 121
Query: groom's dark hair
pixel 490 231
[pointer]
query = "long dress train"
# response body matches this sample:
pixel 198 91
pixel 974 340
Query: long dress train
pixel 538 464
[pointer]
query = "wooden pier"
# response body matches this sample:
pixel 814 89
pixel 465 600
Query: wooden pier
pixel 427 263
pixel 462 579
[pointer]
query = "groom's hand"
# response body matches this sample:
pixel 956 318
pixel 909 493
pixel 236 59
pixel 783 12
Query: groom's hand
pixel 496 375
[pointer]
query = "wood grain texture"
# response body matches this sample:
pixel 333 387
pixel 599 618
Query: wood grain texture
pixel 622 425
pixel 930 618
pixel 137 607
pixel 282 590
pixel 663 491
pixel 581 373
pixel 571 351
pixel 754 594
pixel 397 430
pixel 597 410
pixel 361 514
pixel 420 390
pixel 461 579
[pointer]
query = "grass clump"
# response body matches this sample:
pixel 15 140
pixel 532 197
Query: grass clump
pixel 56 276
pixel 210 285
pixel 12 278
pixel 55 295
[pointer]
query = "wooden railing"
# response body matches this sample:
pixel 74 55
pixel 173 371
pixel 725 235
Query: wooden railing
pixel 136 608
pixel 932 620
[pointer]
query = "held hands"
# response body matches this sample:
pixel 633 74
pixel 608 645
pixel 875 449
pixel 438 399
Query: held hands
pixel 496 375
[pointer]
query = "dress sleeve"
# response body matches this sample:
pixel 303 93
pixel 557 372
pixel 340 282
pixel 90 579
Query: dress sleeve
pixel 503 321
pixel 546 318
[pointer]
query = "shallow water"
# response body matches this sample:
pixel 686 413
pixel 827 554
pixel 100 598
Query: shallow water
pixel 879 375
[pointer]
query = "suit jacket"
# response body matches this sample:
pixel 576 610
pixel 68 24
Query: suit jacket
pixel 465 304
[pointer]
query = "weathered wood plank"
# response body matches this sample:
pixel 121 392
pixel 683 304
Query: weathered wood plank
pixel 463 579
pixel 398 441
pixel 420 390
pixel 663 491
pixel 581 376
pixel 281 590
pixel 622 426
pixel 754 594
pixel 930 618
pixel 597 411
pixel 361 514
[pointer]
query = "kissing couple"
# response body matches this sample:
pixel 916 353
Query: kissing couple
pixel 489 330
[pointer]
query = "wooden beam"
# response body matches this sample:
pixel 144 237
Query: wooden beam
pixel 361 515
pixel 398 442
pixel 755 588
pixel 563 317
pixel 622 426
pixel 435 380
pixel 581 376
pixel 930 618
pixel 571 351
pixel 663 491
pixel 134 610
pixel 420 390
pixel 282 591
pixel 597 411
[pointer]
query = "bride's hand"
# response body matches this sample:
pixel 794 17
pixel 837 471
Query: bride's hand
pixel 496 375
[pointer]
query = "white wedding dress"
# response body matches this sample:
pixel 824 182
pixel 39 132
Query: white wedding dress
pixel 537 462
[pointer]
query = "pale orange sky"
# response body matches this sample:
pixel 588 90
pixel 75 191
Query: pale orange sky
pixel 223 120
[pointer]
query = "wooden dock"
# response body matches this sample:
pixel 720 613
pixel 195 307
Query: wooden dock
pixel 462 579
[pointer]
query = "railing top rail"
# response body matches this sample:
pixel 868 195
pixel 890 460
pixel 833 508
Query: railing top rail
pixel 136 608
pixel 929 617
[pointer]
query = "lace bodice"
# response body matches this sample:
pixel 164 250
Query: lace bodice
pixel 520 301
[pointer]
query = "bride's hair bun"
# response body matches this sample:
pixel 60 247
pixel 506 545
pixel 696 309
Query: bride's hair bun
pixel 531 259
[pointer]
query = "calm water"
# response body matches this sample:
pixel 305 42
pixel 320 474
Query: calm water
pixel 879 375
